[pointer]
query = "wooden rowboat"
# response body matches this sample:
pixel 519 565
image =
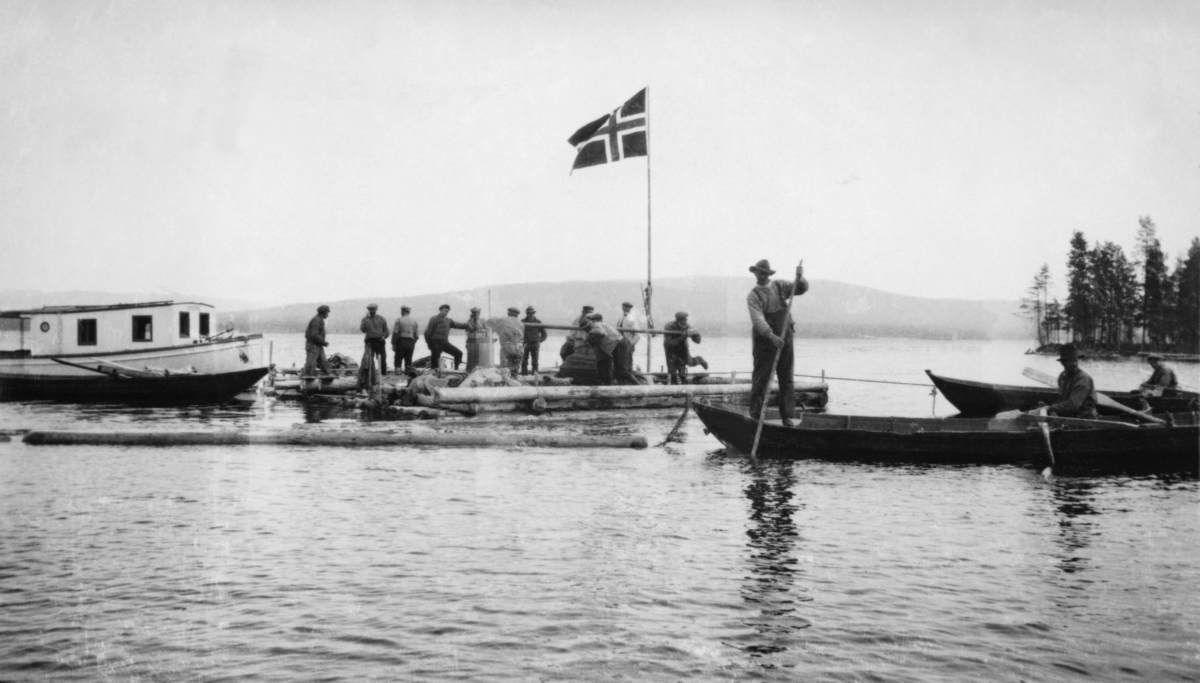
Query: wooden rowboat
pixel 980 399
pixel 1078 444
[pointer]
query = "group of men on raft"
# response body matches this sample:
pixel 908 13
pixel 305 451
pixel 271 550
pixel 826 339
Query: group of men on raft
pixel 520 340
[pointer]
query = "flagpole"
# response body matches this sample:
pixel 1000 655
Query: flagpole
pixel 649 281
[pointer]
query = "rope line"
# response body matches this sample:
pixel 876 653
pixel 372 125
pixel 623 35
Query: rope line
pixel 873 381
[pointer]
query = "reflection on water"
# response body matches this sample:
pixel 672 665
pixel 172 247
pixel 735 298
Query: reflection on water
pixel 771 584
pixel 665 564
pixel 1073 506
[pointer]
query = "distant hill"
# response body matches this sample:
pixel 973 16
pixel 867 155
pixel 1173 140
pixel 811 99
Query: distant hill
pixel 717 306
pixel 15 299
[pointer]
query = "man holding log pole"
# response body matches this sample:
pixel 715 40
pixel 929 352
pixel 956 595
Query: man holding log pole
pixel 675 348
pixel 772 334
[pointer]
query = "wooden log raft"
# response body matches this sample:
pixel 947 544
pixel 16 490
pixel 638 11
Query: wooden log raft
pixel 339 438
pixel 449 395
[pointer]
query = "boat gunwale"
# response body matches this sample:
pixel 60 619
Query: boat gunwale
pixel 129 352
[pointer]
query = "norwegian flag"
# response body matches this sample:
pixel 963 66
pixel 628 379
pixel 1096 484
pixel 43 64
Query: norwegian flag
pixel 613 137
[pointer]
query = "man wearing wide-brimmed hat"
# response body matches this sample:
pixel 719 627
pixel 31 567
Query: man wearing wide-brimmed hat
pixel 1163 376
pixel 773 330
pixel 1076 391
pixel 534 336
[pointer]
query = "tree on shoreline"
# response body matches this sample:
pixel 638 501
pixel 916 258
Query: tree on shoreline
pixel 1108 304
pixel 1035 304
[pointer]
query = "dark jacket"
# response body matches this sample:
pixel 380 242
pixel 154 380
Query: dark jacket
pixel 439 328
pixel 677 344
pixel 534 335
pixel 1076 395
pixel 315 334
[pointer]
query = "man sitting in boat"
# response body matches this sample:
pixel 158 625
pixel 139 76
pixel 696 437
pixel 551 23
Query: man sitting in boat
pixel 1076 391
pixel 314 344
pixel 1163 377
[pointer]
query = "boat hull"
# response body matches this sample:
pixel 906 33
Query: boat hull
pixel 959 440
pixel 222 369
pixel 979 399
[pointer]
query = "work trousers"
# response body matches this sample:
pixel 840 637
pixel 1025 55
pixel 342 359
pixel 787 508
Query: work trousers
pixel 764 356
pixel 604 366
pixel 677 366
pixel 531 354
pixel 379 348
pixel 315 359
pixel 623 362
pixel 439 346
pixel 404 352
pixel 510 357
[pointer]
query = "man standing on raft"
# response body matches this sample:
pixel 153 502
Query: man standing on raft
pixel 773 329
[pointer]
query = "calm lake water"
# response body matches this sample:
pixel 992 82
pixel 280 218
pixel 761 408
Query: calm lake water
pixel 666 564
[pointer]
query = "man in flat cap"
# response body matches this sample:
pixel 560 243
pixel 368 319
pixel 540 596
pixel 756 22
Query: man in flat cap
pixel 675 347
pixel 604 338
pixel 773 329
pixel 534 336
pixel 576 338
pixel 314 344
pixel 437 337
pixel 511 333
pixel 477 333
pixel 404 338
pixel 375 329
pixel 1162 378
pixel 629 320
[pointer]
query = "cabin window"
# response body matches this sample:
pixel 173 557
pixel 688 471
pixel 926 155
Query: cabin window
pixel 86 329
pixel 142 328
pixel 203 324
pixel 185 324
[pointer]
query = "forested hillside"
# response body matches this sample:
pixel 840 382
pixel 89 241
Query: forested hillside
pixel 717 305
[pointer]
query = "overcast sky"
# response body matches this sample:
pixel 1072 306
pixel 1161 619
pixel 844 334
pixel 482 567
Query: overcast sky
pixel 303 151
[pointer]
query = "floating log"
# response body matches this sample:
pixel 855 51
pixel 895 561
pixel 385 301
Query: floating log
pixel 338 438
pixel 448 395
pixel 327 385
pixel 430 402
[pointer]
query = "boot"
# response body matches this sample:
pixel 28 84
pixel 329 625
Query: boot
pixel 703 363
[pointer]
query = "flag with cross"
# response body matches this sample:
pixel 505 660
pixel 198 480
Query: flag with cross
pixel 613 137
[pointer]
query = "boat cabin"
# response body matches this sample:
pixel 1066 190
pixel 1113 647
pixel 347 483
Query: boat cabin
pixel 86 330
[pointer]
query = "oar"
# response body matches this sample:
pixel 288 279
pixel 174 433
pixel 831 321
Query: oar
pixel 1049 450
pixel 762 412
pixel 108 373
pixel 1101 399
